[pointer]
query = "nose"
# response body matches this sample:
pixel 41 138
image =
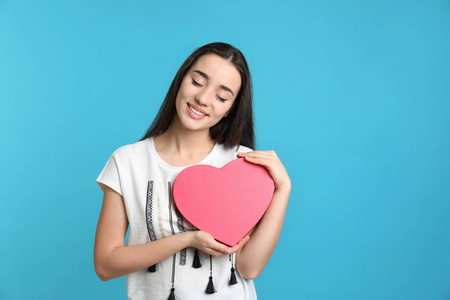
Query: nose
pixel 202 97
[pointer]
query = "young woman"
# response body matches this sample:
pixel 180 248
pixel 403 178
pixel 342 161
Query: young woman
pixel 206 118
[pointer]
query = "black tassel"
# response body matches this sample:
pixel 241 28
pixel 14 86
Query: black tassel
pixel 196 263
pixel 210 288
pixel 172 294
pixel 152 269
pixel 233 280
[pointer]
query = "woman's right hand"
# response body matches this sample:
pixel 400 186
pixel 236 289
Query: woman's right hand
pixel 205 242
pixel 113 259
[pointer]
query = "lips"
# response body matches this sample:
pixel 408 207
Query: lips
pixel 196 112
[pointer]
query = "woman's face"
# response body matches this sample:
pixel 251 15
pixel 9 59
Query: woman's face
pixel 207 92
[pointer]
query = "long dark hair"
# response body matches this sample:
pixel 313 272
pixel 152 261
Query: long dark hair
pixel 233 130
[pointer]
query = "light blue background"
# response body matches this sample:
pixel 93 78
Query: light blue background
pixel 353 95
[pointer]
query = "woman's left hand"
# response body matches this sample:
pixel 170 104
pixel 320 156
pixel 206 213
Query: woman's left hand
pixel 272 163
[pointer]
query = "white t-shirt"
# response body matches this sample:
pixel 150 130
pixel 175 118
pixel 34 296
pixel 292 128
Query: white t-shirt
pixel 145 181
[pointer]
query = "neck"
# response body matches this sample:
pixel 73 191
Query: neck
pixel 179 146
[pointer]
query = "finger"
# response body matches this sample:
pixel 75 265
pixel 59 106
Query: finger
pixel 244 240
pixel 257 154
pixel 240 244
pixel 263 161
pixel 215 253
pixel 262 158
pixel 219 248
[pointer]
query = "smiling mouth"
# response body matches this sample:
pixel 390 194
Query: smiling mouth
pixel 198 113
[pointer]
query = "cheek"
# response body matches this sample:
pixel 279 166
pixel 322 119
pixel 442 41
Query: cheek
pixel 186 88
pixel 181 93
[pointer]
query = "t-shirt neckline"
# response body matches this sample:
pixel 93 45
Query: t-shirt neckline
pixel 162 162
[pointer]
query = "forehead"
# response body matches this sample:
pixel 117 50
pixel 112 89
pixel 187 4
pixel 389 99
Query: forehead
pixel 219 71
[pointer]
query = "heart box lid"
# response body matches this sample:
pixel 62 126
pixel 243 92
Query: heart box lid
pixel 226 202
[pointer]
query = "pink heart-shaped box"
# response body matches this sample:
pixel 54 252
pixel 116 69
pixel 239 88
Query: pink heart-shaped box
pixel 225 202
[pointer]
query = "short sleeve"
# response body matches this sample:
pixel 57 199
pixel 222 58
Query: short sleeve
pixel 110 176
pixel 244 149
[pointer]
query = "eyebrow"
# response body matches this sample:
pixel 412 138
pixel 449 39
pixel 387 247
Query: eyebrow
pixel 206 77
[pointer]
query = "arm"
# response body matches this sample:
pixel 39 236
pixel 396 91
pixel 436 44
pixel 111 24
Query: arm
pixel 253 257
pixel 113 259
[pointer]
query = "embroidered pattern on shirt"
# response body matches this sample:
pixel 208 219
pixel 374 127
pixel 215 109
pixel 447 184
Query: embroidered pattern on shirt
pixel 149 211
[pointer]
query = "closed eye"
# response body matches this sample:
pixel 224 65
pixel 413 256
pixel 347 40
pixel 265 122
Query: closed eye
pixel 221 99
pixel 196 83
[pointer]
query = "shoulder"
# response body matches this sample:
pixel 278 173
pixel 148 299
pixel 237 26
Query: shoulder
pixel 243 149
pixel 233 150
pixel 132 150
pixel 223 155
